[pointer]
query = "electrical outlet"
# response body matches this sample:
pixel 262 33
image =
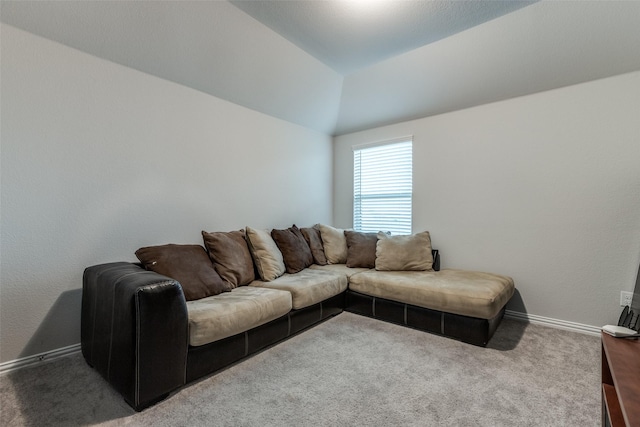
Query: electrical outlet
pixel 625 298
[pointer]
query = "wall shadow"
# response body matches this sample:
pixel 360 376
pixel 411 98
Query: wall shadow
pixel 63 391
pixel 510 331
pixel 516 303
pixel 64 315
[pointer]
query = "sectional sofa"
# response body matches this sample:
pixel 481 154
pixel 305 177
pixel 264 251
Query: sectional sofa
pixel 184 311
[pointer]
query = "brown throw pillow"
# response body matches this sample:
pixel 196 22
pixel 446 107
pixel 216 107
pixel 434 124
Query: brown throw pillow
pixel 295 250
pixel 361 249
pixel 189 265
pixel 231 257
pixel 314 240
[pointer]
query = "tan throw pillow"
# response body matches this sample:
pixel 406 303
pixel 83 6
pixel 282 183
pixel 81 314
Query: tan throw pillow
pixel 312 236
pixel 361 249
pixel 231 257
pixel 405 253
pixel 266 255
pixel 189 265
pixel 334 243
pixel 295 250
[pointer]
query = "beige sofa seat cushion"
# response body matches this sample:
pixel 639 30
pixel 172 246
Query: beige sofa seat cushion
pixel 307 287
pixel 468 293
pixel 341 269
pixel 230 313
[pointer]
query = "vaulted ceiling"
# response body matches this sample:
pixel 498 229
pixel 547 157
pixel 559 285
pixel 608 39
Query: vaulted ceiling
pixel 342 66
pixel 350 35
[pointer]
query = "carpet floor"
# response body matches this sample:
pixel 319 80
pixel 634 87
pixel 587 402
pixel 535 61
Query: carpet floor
pixel 348 371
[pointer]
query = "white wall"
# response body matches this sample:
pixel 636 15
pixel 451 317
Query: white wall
pixel 544 188
pixel 211 46
pixel 99 160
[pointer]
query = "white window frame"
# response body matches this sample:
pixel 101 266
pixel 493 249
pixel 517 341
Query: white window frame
pixel 379 190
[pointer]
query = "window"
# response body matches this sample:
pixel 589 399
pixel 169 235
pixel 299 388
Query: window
pixel 382 191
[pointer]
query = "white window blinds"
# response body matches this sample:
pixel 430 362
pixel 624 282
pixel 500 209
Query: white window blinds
pixel 382 176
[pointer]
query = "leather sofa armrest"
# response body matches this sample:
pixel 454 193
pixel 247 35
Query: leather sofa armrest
pixel 134 330
pixel 436 259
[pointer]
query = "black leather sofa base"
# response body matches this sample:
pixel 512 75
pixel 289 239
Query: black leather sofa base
pixel 471 330
pixel 134 331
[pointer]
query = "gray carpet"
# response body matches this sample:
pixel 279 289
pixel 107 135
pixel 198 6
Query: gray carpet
pixel 348 371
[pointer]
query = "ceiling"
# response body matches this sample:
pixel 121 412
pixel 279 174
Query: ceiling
pixel 343 66
pixel 348 35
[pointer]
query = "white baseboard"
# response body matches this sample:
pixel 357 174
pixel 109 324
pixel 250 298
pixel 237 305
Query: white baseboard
pixel 553 323
pixel 37 359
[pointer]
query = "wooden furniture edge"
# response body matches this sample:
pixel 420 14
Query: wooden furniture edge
pixel 621 380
